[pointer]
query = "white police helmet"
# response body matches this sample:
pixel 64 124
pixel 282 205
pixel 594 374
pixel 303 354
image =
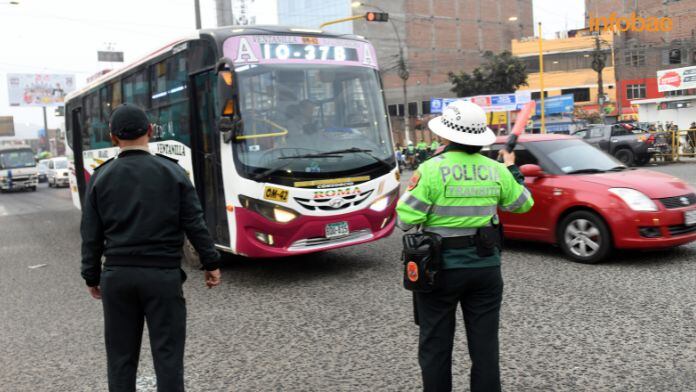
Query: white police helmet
pixel 463 122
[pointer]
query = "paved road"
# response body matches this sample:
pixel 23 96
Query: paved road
pixel 340 321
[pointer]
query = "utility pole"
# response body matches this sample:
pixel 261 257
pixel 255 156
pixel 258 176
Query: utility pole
pixel 599 60
pixel 223 9
pixel 404 74
pixel 197 5
pixel 541 81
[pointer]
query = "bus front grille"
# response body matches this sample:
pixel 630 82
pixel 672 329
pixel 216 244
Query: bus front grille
pixel 321 242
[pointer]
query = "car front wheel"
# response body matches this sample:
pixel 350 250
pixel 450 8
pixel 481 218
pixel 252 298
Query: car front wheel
pixel 584 237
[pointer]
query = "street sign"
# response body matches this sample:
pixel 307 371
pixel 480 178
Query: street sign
pixel 110 57
pixel 7 126
pixel 490 103
pixel 39 89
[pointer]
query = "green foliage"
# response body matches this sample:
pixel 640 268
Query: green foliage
pixel 499 73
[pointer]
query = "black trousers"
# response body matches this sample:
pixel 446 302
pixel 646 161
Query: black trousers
pixel 479 291
pixel 132 295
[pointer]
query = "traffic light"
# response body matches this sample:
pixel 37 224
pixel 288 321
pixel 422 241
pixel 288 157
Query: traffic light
pixel 377 17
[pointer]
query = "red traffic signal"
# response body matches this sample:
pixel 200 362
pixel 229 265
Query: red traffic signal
pixel 377 17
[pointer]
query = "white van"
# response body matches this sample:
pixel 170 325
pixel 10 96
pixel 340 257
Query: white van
pixel 18 168
pixel 58 173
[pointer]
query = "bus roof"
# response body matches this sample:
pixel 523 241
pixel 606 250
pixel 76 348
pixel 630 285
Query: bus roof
pixel 219 35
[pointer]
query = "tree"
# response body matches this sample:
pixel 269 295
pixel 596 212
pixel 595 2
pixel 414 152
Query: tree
pixel 499 73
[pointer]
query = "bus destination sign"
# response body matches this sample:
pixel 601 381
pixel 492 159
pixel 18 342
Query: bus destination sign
pixel 272 49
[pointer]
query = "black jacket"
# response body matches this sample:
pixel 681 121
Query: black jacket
pixel 136 210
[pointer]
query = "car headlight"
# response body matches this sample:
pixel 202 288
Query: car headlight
pixel 637 201
pixel 384 201
pixel 269 211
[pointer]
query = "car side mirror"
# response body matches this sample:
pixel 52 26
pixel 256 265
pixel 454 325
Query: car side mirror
pixel 532 170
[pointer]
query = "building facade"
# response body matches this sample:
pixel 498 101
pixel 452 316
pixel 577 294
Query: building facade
pixel 640 54
pixel 312 13
pixel 568 69
pixel 437 37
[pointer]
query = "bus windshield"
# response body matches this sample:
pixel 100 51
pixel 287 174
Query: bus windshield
pixel 294 113
pixel 16 159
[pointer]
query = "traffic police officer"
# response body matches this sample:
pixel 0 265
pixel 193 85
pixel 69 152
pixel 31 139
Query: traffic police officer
pixel 136 210
pixel 454 194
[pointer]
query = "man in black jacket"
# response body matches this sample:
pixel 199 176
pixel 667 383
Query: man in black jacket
pixel 136 211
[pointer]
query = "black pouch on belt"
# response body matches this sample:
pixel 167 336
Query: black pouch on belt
pixel 487 239
pixel 422 257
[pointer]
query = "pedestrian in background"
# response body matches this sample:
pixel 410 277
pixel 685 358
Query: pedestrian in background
pixel 135 212
pixel 456 195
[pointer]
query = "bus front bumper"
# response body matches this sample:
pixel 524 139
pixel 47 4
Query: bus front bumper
pixel 259 237
pixel 7 184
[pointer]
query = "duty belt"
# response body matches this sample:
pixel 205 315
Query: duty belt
pixel 458 242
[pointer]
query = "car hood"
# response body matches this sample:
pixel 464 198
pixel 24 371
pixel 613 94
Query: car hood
pixel 653 184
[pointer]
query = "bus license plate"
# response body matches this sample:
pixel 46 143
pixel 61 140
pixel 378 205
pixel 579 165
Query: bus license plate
pixel 690 218
pixel 337 229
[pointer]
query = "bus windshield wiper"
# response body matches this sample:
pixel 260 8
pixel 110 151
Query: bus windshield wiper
pixel 585 171
pixel 267 172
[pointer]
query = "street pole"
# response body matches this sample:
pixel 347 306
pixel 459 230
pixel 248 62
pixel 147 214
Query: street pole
pixel 224 12
pixel 45 118
pixel 541 80
pixel 197 5
pixel 600 81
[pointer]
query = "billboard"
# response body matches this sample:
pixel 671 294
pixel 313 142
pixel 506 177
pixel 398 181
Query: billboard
pixel 489 103
pixel 676 79
pixel 7 126
pixel 556 104
pixel 39 89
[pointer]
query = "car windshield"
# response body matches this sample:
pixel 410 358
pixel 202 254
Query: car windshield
pixel 16 159
pixel 575 155
pixel 61 164
pixel 293 115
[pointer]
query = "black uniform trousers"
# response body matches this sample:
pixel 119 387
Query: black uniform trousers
pixel 130 296
pixel 480 292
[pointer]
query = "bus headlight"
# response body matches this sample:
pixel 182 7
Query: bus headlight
pixel 270 211
pixel 637 201
pixel 383 202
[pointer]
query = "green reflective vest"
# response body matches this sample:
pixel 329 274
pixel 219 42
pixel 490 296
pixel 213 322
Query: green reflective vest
pixel 434 145
pixel 455 193
pixel 421 146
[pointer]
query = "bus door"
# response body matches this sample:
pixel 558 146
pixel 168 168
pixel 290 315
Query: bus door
pixel 77 127
pixel 205 144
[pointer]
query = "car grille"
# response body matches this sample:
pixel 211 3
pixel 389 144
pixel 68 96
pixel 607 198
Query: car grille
pixel 323 204
pixel 679 201
pixel 681 229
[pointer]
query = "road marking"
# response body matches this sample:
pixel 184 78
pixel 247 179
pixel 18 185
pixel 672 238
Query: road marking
pixel 3 211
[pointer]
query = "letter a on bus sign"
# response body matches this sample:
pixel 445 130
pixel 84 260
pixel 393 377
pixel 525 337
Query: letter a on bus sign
pixel 244 53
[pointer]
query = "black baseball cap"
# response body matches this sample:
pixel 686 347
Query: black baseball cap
pixel 128 122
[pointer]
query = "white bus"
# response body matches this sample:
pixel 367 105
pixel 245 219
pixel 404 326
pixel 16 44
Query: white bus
pixel 18 169
pixel 283 132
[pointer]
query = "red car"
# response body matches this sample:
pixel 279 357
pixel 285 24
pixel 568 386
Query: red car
pixel 589 203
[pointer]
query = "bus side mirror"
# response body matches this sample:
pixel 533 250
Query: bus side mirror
pixel 532 171
pixel 226 89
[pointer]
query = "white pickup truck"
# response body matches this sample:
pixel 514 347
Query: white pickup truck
pixel 18 169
